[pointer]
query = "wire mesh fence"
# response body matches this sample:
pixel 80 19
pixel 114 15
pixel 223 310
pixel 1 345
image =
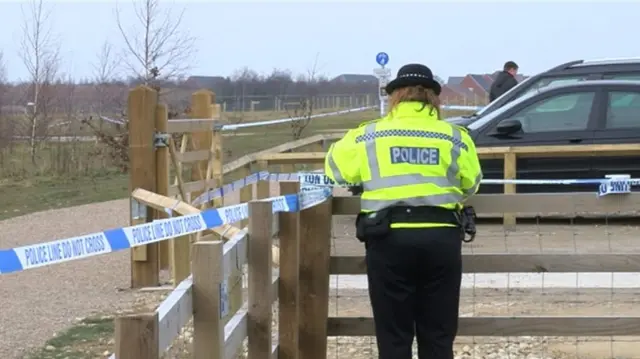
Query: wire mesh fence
pixel 516 294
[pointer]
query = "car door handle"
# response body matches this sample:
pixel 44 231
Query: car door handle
pixel 575 140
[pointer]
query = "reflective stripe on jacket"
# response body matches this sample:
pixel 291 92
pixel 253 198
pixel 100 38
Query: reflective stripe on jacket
pixel 408 158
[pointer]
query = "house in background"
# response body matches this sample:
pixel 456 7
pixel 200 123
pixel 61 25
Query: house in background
pixel 478 87
pixel 454 95
pixel 455 80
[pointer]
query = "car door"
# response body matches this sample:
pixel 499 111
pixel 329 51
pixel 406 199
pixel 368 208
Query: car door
pixel 618 122
pixel 560 117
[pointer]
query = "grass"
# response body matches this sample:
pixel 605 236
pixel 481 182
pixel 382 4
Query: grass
pixel 40 193
pixel 84 340
pixel 74 173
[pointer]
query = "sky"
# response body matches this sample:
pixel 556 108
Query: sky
pixel 452 38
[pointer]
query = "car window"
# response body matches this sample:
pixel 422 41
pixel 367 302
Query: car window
pixel 631 77
pixel 555 81
pixel 566 112
pixel 623 110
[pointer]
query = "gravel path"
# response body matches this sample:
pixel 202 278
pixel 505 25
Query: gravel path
pixel 39 302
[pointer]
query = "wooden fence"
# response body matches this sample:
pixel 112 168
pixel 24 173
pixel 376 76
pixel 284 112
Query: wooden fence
pixel 303 284
pixel 200 296
pixel 305 265
pixel 153 150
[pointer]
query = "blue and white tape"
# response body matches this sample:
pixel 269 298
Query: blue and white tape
pixel 70 249
pixel 232 127
pixel 614 184
pixel 315 189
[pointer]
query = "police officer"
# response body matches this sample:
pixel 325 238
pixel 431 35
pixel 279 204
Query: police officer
pixel 416 171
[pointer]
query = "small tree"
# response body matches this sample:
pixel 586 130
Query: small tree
pixel 39 53
pixel 107 101
pixel 303 113
pixel 7 127
pixel 156 48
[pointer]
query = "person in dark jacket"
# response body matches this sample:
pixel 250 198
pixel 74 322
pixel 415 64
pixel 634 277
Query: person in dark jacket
pixel 504 81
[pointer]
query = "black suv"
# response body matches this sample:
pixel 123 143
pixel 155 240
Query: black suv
pixel 579 113
pixel 562 106
pixel 574 71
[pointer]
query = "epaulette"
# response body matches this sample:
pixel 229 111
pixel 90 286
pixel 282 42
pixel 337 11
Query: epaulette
pixel 462 128
pixel 368 122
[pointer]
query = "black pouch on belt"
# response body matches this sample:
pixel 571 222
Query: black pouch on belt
pixel 373 225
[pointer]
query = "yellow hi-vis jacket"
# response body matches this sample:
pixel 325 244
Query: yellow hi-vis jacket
pixel 408 158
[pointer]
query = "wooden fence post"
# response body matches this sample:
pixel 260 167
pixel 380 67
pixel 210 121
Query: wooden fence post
pixel 287 168
pixel 141 114
pixel 217 174
pixel 246 193
pixel 180 258
pixel 315 253
pixel 509 219
pixel 162 177
pixel 208 328
pixel 318 147
pixel 137 336
pixel 201 108
pixel 263 187
pixel 260 280
pixel 288 285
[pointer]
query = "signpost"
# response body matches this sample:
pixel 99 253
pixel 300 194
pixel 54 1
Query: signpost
pixel 384 76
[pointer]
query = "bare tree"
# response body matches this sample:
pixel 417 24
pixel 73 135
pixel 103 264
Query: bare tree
pixel 303 113
pixel 109 102
pixel 108 99
pixel 39 53
pixel 7 127
pixel 3 80
pixel 3 69
pixel 156 48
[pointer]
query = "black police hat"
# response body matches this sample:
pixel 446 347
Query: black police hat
pixel 414 75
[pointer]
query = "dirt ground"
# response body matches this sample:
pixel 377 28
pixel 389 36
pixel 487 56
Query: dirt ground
pixel 63 297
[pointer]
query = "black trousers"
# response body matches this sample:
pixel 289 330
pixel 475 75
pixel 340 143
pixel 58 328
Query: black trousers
pixel 414 280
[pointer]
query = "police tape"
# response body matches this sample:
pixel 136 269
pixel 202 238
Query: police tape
pixel 70 249
pixel 613 184
pixel 311 181
pixel 232 127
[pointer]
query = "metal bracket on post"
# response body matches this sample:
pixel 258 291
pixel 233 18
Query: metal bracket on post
pixel 138 210
pixel 161 139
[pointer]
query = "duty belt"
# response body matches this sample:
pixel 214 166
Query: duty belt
pixel 466 219
pixel 424 214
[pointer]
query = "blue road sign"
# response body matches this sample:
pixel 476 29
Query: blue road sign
pixel 382 58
